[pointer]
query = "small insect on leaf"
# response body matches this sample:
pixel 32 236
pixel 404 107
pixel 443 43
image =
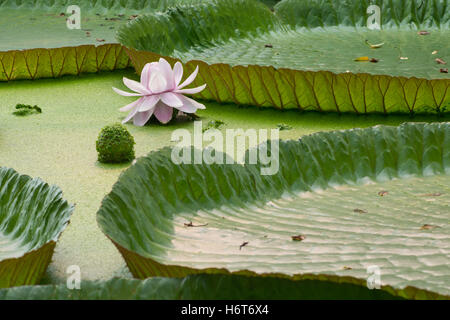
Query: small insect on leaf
pixel 428 227
pixel 361 59
pixel 423 33
pixel 443 70
pixel 374 46
pixel 243 245
pixel 100 40
pixel 403 58
pixel 440 61
pixel 383 193
pixel 359 210
pixel 374 60
pixel 299 237
pixel 347 268
pixel 268 45
pixel 434 52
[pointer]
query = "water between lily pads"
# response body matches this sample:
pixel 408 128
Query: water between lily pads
pixel 59 146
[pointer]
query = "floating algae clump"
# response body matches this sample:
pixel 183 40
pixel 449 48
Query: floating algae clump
pixel 115 144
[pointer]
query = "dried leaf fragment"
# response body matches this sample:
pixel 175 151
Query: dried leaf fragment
pixel 423 33
pixel 100 40
pixel 190 224
pixel 403 58
pixel 298 237
pixel 383 193
pixel 374 46
pixel 359 210
pixel 428 227
pixel 347 268
pixel 435 194
pixel 434 52
pixel 243 245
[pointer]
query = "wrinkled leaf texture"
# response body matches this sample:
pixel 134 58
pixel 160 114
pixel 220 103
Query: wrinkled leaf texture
pixel 210 24
pixel 33 214
pixel 138 213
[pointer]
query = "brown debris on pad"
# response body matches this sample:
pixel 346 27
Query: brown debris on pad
pixel 298 237
pixel 190 224
pixel 243 245
pixel 428 227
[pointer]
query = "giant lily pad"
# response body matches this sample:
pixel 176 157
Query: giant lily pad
pixel 45 47
pixel 43 22
pixel 303 55
pixel 32 217
pixel 175 220
pixel 58 146
pixel 196 287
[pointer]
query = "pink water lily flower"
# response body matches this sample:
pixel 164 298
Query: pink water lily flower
pixel 160 91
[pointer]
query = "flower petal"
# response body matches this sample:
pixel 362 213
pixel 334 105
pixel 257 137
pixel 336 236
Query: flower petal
pixel 177 73
pixel 135 86
pixel 141 118
pixel 189 80
pixel 127 94
pixel 189 105
pixel 171 99
pixel 149 103
pixel 163 112
pixel 167 72
pixel 130 115
pixel 158 83
pixel 130 106
pixel 145 75
pixel 192 90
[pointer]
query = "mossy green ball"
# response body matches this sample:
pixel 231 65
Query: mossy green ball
pixel 115 144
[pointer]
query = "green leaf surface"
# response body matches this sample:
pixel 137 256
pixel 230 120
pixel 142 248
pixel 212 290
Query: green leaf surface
pixel 59 146
pixel 322 91
pixel 147 215
pixel 43 46
pixel 98 6
pixel 269 61
pixel 43 22
pixel 393 13
pixel 51 63
pixel 197 287
pixel 32 217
